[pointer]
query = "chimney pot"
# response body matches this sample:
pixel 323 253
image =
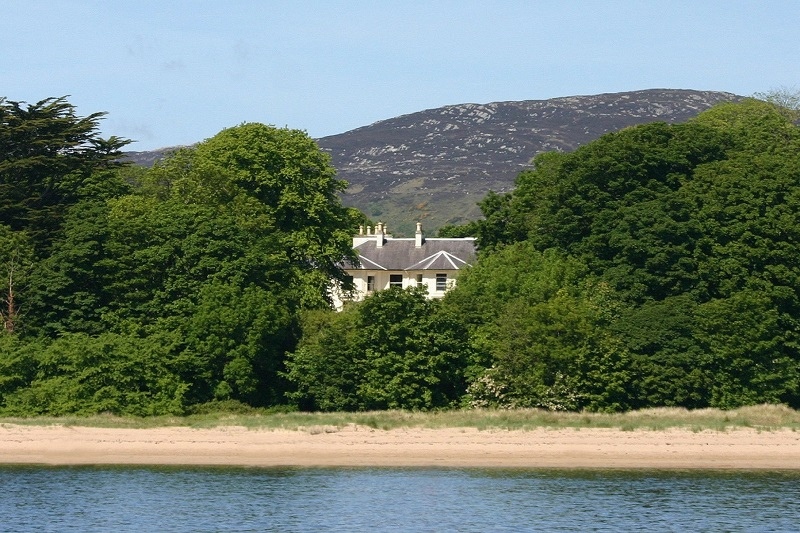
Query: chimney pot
pixel 379 235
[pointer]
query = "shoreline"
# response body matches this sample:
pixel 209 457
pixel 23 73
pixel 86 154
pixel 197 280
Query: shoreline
pixel 359 446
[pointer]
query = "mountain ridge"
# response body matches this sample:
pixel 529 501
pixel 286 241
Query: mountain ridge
pixel 434 165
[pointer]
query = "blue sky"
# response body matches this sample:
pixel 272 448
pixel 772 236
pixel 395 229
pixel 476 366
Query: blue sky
pixel 173 72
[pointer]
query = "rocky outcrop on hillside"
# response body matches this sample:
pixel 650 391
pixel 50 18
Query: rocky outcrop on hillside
pixel 436 164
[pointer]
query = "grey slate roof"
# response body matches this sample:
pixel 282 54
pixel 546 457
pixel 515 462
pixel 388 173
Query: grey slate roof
pixel 401 254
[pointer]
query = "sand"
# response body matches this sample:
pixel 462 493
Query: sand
pixel 361 446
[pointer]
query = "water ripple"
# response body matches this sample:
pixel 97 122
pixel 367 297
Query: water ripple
pixel 45 499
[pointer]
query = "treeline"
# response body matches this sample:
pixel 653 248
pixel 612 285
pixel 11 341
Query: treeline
pixel 144 292
pixel 655 266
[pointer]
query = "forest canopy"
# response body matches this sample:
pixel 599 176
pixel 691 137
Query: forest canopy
pixel 157 290
pixel 655 266
pixel 689 239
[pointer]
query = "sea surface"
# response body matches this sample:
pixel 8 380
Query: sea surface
pixel 117 499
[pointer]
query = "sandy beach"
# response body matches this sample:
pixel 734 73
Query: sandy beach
pixel 362 446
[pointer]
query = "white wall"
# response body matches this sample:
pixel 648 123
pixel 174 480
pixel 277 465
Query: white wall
pixel 382 282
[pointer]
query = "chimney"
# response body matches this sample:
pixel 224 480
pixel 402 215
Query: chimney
pixel 379 234
pixel 418 239
pixel 361 238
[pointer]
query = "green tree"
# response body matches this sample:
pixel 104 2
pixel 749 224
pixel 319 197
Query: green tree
pixel 501 225
pixel 395 350
pixel 542 326
pixel 69 288
pixel 201 264
pixel 683 223
pixel 750 349
pixel 47 154
pixel 16 264
pixel 18 364
pixel 225 243
pixel 267 215
pixel 232 345
pixel 413 358
pixel 287 172
pixel 663 333
pixel 78 374
pixel 515 271
pixel 324 369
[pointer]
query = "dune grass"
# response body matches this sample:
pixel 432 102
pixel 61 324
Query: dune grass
pixel 761 417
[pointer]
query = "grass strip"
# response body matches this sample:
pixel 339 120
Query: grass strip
pixel 762 417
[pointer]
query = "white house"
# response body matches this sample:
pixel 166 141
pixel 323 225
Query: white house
pixel 413 262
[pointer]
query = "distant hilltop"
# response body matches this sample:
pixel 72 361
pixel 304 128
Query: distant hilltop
pixel 435 165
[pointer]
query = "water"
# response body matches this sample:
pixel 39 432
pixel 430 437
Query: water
pixel 117 499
